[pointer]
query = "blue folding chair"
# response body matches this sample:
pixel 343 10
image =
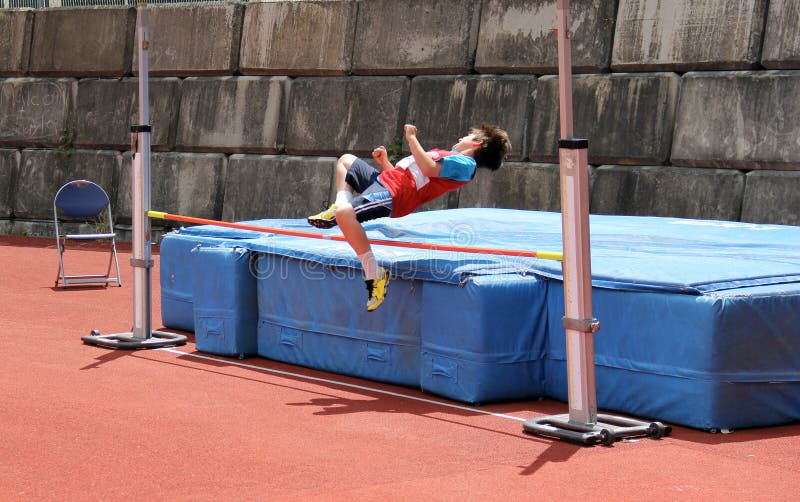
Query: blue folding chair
pixel 84 200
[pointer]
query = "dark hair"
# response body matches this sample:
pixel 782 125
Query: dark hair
pixel 494 148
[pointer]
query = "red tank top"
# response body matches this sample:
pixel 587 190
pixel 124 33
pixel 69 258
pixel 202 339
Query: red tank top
pixel 407 194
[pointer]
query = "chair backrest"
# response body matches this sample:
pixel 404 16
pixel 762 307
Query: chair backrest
pixel 81 199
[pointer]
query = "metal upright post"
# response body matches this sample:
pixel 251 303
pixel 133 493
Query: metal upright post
pixel 578 321
pixel 142 334
pixel 140 182
pixel 581 424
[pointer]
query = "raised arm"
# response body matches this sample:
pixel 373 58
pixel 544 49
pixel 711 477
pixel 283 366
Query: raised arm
pixel 382 158
pixel 427 165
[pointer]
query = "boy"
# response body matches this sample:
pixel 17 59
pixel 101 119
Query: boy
pixel 398 190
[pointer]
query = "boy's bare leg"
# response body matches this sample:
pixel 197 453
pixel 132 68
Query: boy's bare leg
pixel 352 229
pixel 376 277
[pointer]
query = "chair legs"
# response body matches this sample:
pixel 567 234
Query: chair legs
pixel 60 274
pixel 105 279
pixel 116 262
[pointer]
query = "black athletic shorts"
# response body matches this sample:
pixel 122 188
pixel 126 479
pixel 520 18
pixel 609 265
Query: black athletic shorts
pixel 374 200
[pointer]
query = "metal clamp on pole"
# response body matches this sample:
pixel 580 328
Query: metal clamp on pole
pixel 141 263
pixel 135 131
pixel 590 325
pixel 573 144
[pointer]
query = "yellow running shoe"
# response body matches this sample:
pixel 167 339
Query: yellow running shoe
pixel 325 219
pixel 376 289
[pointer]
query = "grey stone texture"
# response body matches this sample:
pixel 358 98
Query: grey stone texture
pixel 516 185
pixel 42 173
pixel 107 108
pixel 272 30
pixel 627 118
pixel 743 120
pixel 182 183
pixel 334 115
pixel 193 40
pixel 443 107
pixel 229 114
pixel 415 37
pixel 781 49
pixel 36 111
pixel 518 36
pixel 16 29
pixel 654 35
pixel 771 197
pixel 711 194
pixel 321 78
pixel 38 228
pixel 270 186
pixel 9 164
pixel 83 42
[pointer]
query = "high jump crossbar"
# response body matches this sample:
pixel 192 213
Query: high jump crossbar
pixel 543 255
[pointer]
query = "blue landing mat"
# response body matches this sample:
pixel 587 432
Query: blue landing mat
pixel 700 319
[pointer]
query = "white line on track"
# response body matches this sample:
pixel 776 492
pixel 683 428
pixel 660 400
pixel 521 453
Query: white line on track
pixel 343 384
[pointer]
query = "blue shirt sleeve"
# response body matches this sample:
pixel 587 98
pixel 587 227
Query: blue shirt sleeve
pixel 457 167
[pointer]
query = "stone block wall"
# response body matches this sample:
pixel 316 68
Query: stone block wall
pixel 686 35
pixel 16 28
pixel 95 42
pixel 690 108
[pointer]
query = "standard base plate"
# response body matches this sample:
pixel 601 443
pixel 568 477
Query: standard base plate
pixel 608 429
pixel 127 341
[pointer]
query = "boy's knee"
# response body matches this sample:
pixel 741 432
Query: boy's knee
pixel 347 160
pixel 345 212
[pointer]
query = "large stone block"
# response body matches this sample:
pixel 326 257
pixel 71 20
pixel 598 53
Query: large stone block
pixel 516 185
pixel 83 42
pixel 194 40
pixel 781 49
pixel 43 172
pixel 772 197
pixel 333 115
pixel 270 186
pixel 181 183
pixel 36 111
pixel 106 108
pixel 16 29
pixel 272 30
pixel 627 118
pixel 40 228
pixel 743 120
pixel 517 36
pixel 9 164
pixel 232 114
pixel 415 37
pixel 652 35
pixel 444 108
pixel 710 194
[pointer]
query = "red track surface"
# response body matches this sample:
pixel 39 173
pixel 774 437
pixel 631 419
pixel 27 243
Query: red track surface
pixel 88 423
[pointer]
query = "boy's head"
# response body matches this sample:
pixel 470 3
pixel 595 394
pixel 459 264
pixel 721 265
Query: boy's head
pixel 494 145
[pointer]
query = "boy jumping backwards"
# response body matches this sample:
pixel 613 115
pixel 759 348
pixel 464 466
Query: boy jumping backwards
pixel 398 190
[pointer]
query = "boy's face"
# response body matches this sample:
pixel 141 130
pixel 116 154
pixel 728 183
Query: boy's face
pixel 466 143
